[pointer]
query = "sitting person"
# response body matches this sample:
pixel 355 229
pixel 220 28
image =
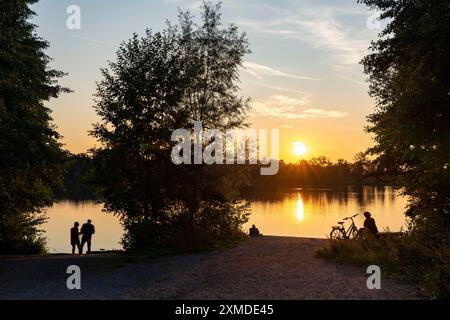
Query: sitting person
pixel 369 224
pixel 254 232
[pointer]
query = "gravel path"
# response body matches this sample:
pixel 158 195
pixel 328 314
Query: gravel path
pixel 260 268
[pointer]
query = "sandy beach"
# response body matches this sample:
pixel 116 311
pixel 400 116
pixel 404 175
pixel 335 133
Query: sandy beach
pixel 259 268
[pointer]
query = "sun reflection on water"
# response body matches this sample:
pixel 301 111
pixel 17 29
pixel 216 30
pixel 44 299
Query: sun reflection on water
pixel 300 208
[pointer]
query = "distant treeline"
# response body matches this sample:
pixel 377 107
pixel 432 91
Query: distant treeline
pixel 78 179
pixel 316 172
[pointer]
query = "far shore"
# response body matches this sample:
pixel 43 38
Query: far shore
pixel 266 267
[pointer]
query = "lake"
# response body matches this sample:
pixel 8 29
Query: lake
pixel 297 212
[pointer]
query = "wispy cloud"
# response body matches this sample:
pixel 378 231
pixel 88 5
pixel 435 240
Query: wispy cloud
pixel 260 70
pixel 280 107
pixel 193 5
pixel 274 88
pixel 76 35
pixel 323 27
pixel 320 113
pixel 89 39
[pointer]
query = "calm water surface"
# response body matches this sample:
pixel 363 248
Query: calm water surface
pixel 299 213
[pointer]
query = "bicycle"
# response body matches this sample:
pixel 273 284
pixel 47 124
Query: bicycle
pixel 339 232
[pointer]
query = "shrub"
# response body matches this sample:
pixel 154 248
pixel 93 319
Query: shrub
pixel 407 257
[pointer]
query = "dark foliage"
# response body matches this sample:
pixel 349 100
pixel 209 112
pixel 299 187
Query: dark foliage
pixel 316 173
pixel 159 83
pixel 30 152
pixel 409 70
pixel 78 179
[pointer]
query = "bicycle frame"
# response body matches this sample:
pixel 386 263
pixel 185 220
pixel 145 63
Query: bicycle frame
pixel 352 229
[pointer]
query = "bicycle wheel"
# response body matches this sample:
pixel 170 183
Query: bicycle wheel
pixel 353 233
pixel 337 234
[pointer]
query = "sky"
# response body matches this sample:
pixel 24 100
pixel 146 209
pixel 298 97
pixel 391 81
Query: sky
pixel 303 75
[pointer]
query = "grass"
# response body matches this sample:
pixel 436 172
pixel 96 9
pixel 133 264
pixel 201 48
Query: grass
pixel 366 251
pixel 401 257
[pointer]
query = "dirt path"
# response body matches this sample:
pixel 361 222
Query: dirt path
pixel 261 268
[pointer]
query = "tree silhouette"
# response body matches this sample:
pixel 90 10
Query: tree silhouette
pixel 409 73
pixel 409 78
pixel 159 83
pixel 30 152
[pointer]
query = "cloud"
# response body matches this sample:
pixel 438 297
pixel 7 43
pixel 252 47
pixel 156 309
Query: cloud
pixel 340 28
pixel 320 113
pixel 259 70
pixel 274 88
pixel 323 27
pixel 89 39
pixel 191 4
pixel 351 73
pixel 281 107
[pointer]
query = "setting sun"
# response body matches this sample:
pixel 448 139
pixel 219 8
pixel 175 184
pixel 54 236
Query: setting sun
pixel 300 149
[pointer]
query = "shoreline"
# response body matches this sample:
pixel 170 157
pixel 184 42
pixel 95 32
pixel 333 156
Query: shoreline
pixel 267 267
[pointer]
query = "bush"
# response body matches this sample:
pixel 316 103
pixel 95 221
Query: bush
pixel 364 251
pixel 407 257
pixel 215 226
pixel 25 246
pixel 20 234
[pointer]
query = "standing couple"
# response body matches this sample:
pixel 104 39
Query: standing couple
pixel 87 230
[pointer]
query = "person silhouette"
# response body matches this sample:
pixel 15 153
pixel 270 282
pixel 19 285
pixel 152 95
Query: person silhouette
pixel 253 231
pixel 370 224
pixel 74 238
pixel 87 230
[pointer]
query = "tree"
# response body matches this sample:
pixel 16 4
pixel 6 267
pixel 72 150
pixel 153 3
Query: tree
pixel 30 151
pixel 78 178
pixel 409 78
pixel 321 161
pixel 159 83
pixel 211 56
pixel 409 73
